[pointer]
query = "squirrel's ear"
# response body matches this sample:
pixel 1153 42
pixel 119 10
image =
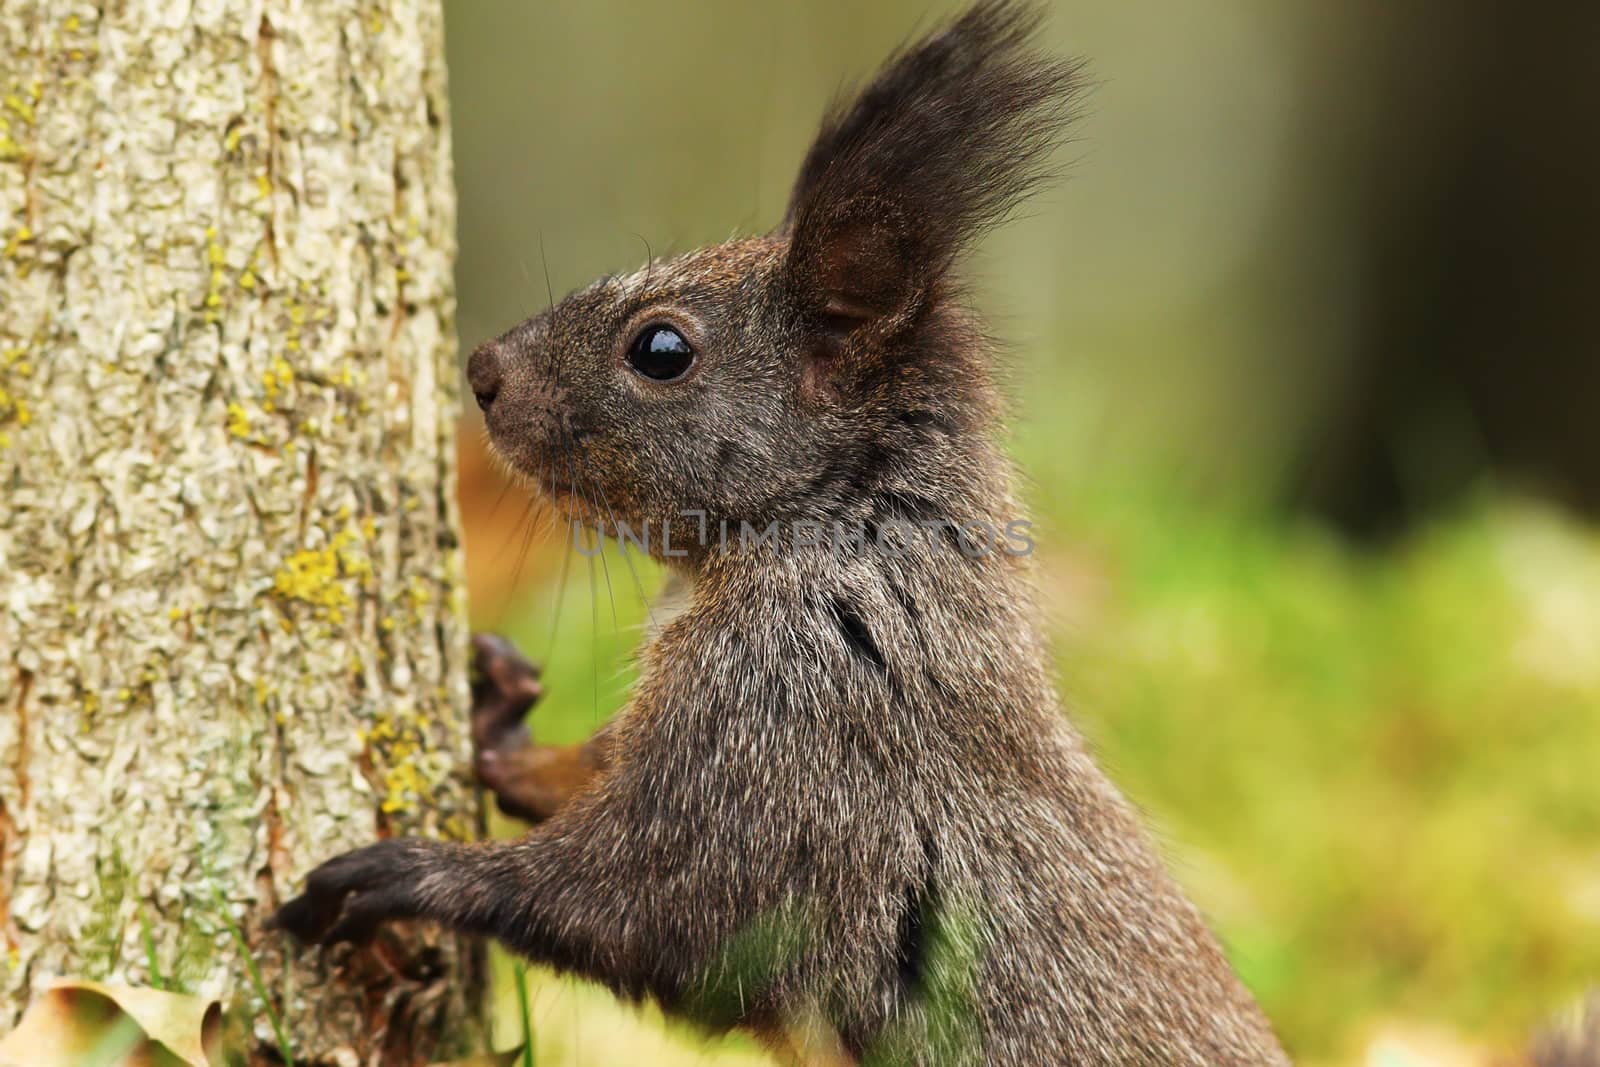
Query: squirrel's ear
pixel 945 141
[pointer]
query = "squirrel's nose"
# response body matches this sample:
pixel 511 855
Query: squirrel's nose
pixel 483 374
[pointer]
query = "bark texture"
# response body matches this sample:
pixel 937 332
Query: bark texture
pixel 231 630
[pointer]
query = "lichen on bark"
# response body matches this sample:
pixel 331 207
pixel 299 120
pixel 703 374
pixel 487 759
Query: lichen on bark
pixel 231 630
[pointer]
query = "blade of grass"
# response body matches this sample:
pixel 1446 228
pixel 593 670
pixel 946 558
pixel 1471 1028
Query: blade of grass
pixel 521 974
pixel 151 964
pixel 254 973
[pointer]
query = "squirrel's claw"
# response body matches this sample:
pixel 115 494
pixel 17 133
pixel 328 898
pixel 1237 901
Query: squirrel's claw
pixel 348 896
pixel 504 687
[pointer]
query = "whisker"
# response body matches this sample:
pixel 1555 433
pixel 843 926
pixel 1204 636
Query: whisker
pixel 585 487
pixel 594 606
pixel 527 543
pixel 527 280
pixel 594 640
pixel 649 260
pixel 549 292
pixel 500 498
pixel 570 536
pixel 626 558
pixel 511 533
pixel 561 596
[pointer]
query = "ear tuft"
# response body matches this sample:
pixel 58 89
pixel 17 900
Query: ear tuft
pixel 952 134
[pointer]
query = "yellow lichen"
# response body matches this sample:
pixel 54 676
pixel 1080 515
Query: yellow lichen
pixel 20 107
pixel 315 576
pixel 238 420
pixel 418 595
pixel 355 564
pixel 311 576
pixel 215 256
pixel 403 784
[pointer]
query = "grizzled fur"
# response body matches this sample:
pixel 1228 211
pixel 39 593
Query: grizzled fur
pixel 843 800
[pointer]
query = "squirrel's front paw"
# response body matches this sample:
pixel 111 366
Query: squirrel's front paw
pixel 348 896
pixel 505 687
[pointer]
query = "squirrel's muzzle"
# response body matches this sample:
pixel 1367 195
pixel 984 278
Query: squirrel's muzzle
pixel 525 409
pixel 484 374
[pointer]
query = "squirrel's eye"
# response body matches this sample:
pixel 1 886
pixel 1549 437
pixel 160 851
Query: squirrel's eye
pixel 660 353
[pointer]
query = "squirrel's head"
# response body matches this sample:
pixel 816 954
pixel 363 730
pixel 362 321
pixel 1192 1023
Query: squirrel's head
pixel 797 374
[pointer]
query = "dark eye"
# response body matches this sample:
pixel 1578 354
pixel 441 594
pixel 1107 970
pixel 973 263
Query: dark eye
pixel 660 353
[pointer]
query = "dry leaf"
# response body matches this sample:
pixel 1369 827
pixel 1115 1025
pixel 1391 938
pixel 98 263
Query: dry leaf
pixel 86 1024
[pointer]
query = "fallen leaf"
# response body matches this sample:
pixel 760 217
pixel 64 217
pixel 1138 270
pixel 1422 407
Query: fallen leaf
pixel 87 1024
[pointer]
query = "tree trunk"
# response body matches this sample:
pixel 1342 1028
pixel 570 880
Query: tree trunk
pixel 231 631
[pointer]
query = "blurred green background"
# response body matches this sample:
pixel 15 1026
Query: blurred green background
pixel 1307 382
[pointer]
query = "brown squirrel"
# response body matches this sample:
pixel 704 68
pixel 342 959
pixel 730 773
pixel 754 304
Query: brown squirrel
pixel 843 808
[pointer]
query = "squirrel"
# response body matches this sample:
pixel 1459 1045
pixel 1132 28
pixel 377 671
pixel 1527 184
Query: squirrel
pixel 843 808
